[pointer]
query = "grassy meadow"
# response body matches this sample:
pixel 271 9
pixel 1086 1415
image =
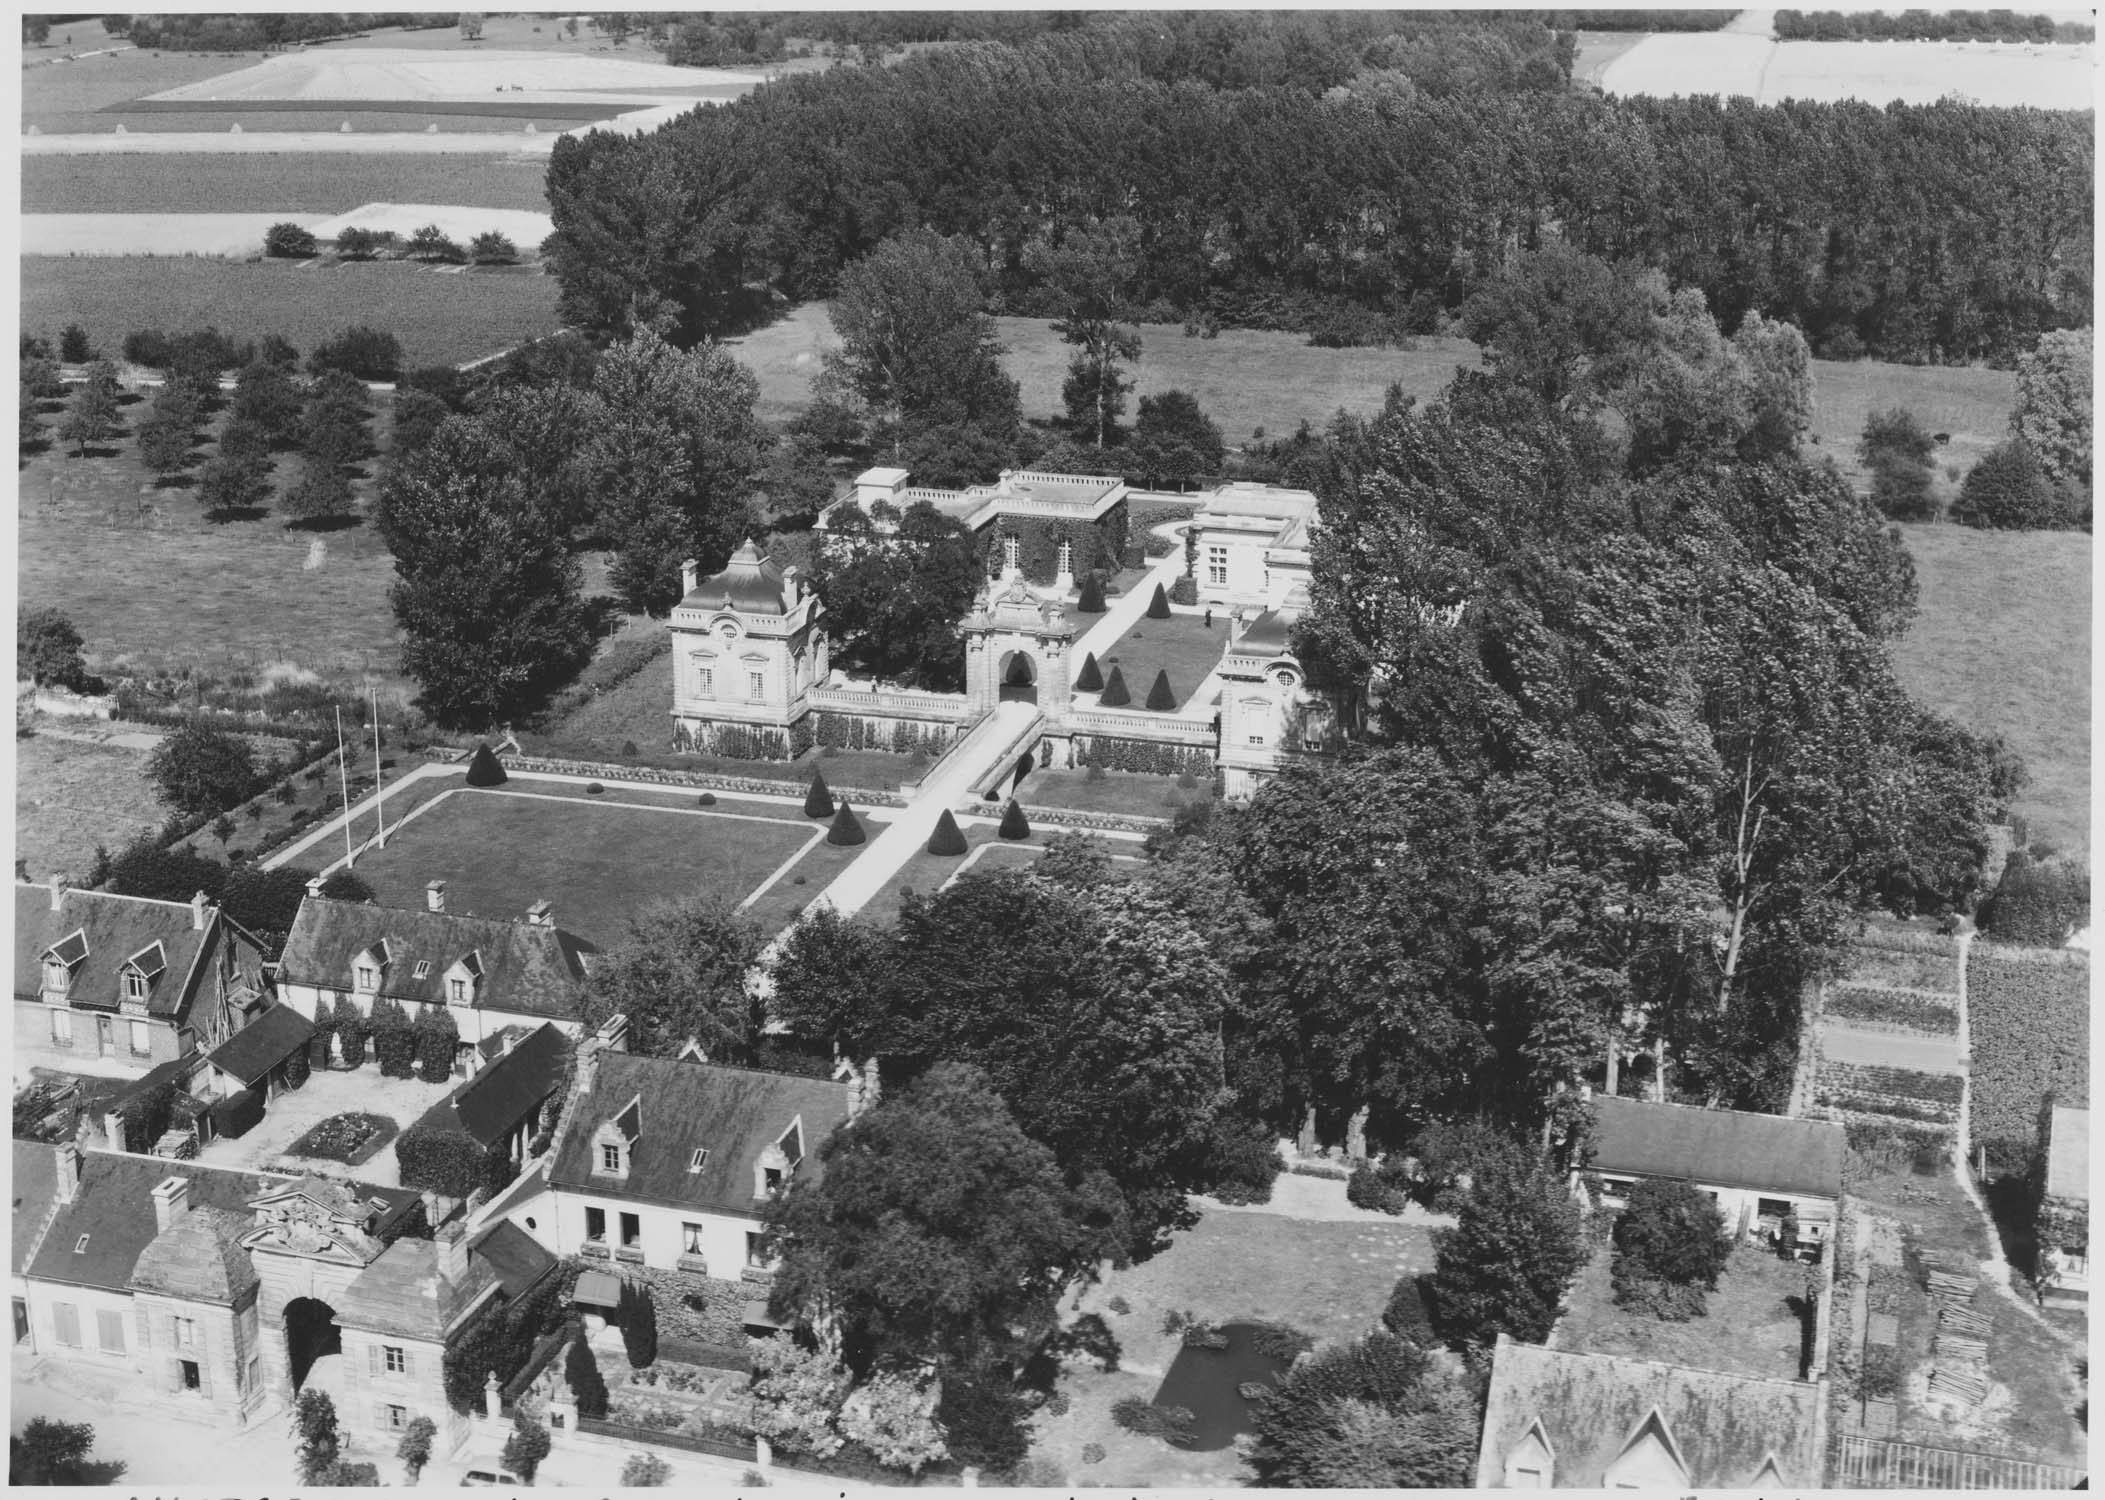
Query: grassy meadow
pixel 2001 643
pixel 293 182
pixel 440 318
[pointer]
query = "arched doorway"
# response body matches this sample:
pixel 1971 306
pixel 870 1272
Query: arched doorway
pixel 311 1335
pixel 1019 678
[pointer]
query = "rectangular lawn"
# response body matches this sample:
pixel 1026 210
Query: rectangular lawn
pixel 598 861
pixel 1748 1328
pixel 1184 646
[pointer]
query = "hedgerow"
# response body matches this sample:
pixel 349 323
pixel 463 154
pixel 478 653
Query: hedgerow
pixel 1143 755
pixel 2029 1015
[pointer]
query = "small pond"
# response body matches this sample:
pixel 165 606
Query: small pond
pixel 1206 1382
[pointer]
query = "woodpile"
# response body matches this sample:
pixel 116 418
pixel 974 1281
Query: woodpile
pixel 1960 1385
pixel 1963 1320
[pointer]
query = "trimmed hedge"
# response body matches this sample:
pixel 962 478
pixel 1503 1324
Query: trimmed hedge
pixel 839 731
pixel 733 741
pixel 1115 694
pixel 484 769
pixel 947 841
pixel 818 801
pixel 846 829
pixel 1014 825
pixel 443 1159
pixel 1149 756
pixel 1091 678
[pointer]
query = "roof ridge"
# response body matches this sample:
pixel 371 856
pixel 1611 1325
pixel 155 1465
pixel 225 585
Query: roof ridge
pixel 1666 1364
pixel 510 924
pixel 191 1162
pixel 698 1062
pixel 1752 1114
pixel 100 895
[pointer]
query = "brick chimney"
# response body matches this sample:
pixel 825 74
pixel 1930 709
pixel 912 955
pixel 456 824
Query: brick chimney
pixel 690 577
pixel 541 914
pixel 452 1240
pixel 199 905
pixel 171 1200
pixel 58 891
pixel 435 896
pixel 67 1157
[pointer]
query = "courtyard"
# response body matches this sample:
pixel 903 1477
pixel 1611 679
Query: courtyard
pixel 327 1094
pixel 600 859
pixel 1752 1325
pixel 1185 646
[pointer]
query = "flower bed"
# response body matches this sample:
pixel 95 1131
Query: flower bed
pixel 1892 1083
pixel 348 1138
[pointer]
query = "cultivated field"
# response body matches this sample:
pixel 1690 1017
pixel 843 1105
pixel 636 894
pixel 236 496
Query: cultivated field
pixel 1769 72
pixel 440 318
pixel 71 794
pixel 61 97
pixel 2002 644
pixel 139 234
pixel 276 184
pixel 601 858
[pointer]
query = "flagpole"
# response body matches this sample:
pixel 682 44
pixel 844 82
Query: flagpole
pixel 343 780
pixel 379 811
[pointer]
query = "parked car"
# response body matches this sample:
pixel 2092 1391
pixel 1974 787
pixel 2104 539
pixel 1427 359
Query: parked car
pixel 491 1478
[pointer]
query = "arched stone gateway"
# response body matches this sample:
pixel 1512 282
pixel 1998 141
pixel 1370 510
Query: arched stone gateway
pixel 1017 644
pixel 311 1334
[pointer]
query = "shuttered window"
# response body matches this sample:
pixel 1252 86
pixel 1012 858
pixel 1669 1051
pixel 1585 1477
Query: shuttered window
pixel 109 1330
pixel 65 1322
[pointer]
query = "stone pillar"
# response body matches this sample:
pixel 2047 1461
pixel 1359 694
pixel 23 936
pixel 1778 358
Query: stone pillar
pixel 492 1397
pixel 968 1479
pixel 763 1452
pixel 1307 1140
pixel 1356 1135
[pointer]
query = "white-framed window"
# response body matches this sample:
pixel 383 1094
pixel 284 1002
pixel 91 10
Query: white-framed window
pixel 367 979
pixel 394 1359
pixel 422 970
pixel 134 985
pixel 756 684
pixel 610 1158
pixel 1067 558
pixel 1217 565
pixel 141 1039
pixel 61 1028
pixel 56 975
pixel 397 1417
pixel 1256 737
pixel 457 989
pixel 1011 552
pixel 690 1239
pixel 699 1159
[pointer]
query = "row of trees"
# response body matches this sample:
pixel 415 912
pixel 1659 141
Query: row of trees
pixel 1944 232
pixel 294 241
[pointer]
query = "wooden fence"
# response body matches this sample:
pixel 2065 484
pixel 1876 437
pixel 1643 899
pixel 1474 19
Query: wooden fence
pixel 1863 1463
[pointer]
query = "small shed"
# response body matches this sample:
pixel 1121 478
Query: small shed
pixel 259 1052
pixel 1758 1168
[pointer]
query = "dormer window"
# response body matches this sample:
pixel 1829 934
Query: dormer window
pixel 422 970
pixel 463 980
pixel 772 1178
pixel 134 985
pixel 609 1158
pixel 614 1145
pixel 368 966
pixel 699 1159
pixel 368 978
pixel 56 976
pixel 61 959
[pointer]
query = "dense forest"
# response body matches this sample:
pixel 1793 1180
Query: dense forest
pixel 1927 26
pixel 256 33
pixel 1311 179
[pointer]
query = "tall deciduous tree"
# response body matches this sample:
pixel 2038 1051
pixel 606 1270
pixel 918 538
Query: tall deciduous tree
pixel 91 417
pixel 921 356
pixel 1175 444
pixel 47 648
pixel 894 600
pixel 2053 411
pixel 670 457
pixel 198 769
pixel 939 1231
pixel 679 973
pixel 1897 451
pixel 1504 1266
pixel 487 596
pixel 1089 277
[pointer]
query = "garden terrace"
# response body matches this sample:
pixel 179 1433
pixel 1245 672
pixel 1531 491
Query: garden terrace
pixel 1133 793
pixel 1754 1324
pixel 1183 645
pixel 601 858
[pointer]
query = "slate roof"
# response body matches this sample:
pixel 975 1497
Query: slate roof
pixel 1270 634
pixel 403 1292
pixel 2068 1154
pixel 1591 1406
pixel 251 1052
pixel 537 971
pixel 749 582
pixel 114 1209
pixel 1718 1147
pixel 734 1113
pixel 516 1260
pixel 199 1258
pixel 114 928
pixel 35 1190
pixel 487 1106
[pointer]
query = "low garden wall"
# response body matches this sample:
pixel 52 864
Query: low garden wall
pixel 656 776
pixel 1074 817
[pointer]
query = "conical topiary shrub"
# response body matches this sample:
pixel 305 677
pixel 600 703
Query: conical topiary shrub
pixel 484 770
pixel 1160 698
pixel 1014 825
pixel 948 839
pixel 846 828
pixel 1115 694
pixel 1091 678
pixel 1091 600
pixel 818 802
pixel 1158 607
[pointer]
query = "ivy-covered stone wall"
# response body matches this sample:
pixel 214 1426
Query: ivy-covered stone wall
pixel 1099 545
